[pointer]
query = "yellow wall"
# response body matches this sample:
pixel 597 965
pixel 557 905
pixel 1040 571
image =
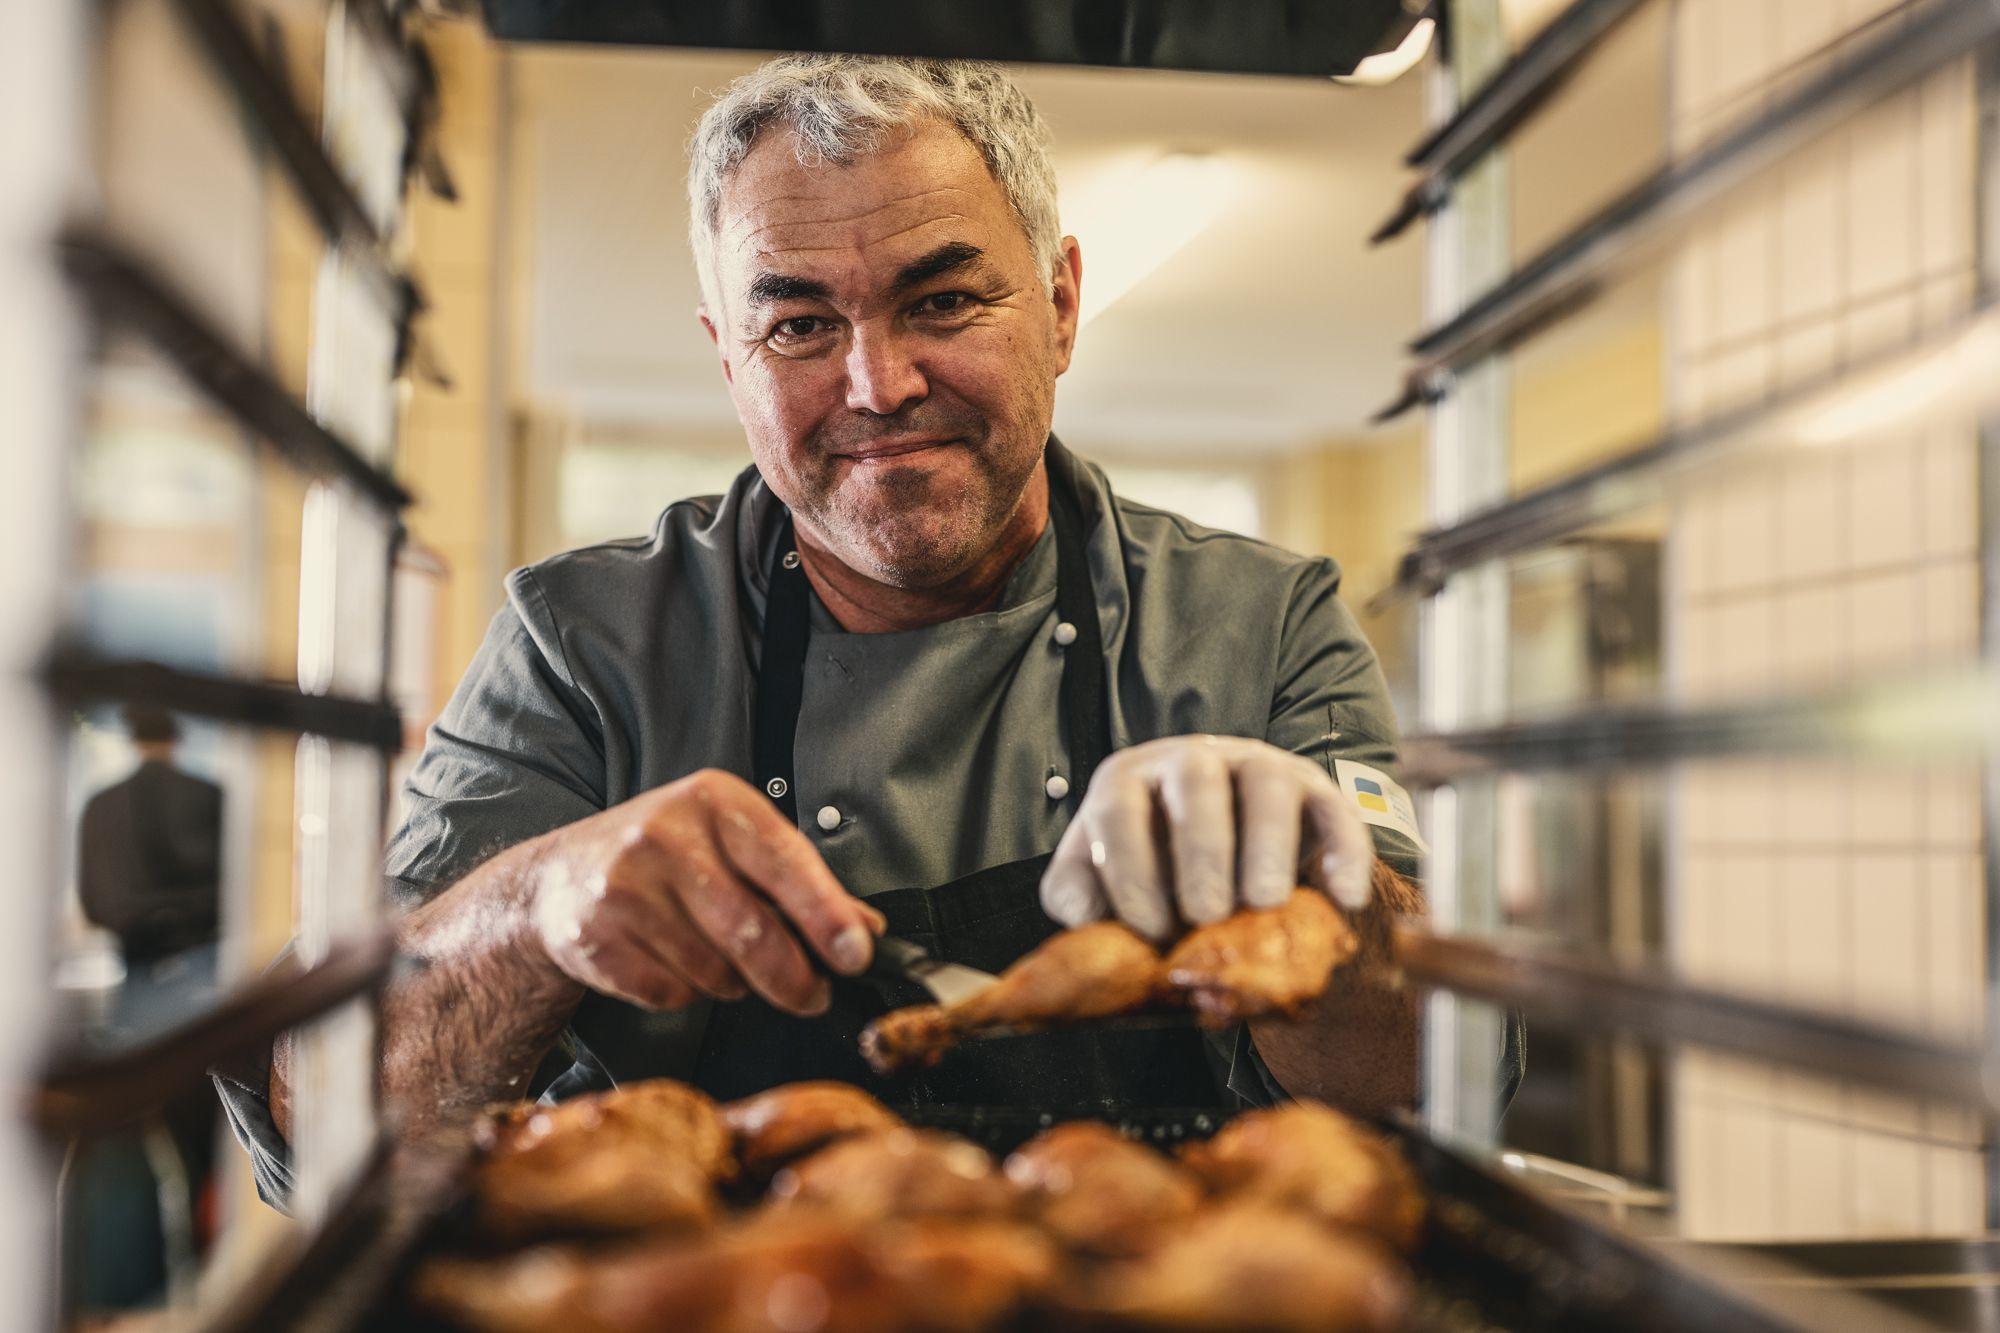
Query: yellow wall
pixel 1601 395
pixel 455 458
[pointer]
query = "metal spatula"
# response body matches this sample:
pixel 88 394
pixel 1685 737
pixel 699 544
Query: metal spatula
pixel 901 960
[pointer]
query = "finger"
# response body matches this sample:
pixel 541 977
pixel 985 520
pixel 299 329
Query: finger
pixel 1200 806
pixel 739 923
pixel 1070 892
pixel 620 968
pixel 1343 852
pixel 764 848
pixel 1125 853
pixel 1272 798
pixel 656 924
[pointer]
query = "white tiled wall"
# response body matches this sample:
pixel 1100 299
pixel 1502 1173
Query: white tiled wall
pixel 1850 885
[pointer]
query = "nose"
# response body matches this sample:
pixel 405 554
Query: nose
pixel 882 376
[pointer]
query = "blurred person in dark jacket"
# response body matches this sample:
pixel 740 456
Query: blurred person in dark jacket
pixel 149 859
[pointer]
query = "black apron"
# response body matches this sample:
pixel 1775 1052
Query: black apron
pixel 985 920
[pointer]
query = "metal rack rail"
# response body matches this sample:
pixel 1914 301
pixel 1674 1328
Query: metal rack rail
pixel 1558 988
pixel 1510 97
pixel 84 1093
pixel 1944 714
pixel 1542 515
pixel 1568 272
pixel 76 676
pixel 122 290
pixel 268 95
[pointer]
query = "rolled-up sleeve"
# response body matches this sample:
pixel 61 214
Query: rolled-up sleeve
pixel 516 753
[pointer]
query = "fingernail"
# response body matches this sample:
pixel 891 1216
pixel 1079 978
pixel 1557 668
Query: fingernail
pixel 851 949
pixel 819 1001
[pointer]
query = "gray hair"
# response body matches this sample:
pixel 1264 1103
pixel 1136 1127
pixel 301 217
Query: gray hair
pixel 841 106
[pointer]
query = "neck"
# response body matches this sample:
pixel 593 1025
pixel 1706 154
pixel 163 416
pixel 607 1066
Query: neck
pixel 862 605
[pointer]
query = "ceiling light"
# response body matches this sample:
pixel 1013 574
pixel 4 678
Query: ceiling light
pixel 1132 217
pixel 1388 66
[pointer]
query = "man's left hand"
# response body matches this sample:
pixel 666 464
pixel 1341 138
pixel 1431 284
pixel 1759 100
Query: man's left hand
pixel 1184 830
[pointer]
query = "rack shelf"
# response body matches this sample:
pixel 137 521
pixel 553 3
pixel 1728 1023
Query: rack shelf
pixel 1569 271
pixel 77 677
pixel 122 289
pixel 88 1093
pixel 1937 715
pixel 1553 986
pixel 1560 508
pixel 1510 97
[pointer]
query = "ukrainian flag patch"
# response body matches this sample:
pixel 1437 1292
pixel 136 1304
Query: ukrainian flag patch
pixel 1381 800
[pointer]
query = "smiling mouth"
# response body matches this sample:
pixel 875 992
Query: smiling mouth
pixel 876 453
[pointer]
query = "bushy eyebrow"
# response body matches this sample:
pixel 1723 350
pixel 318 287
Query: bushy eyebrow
pixel 771 288
pixel 947 258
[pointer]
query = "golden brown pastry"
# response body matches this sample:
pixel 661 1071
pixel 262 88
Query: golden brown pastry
pixel 1098 1192
pixel 1313 1159
pixel 898 1173
pixel 1093 971
pixel 774 1127
pixel 1252 1266
pixel 1258 963
pixel 642 1157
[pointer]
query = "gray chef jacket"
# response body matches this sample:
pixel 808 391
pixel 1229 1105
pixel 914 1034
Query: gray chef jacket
pixel 617 668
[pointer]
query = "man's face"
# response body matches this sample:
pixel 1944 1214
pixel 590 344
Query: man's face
pixel 891 348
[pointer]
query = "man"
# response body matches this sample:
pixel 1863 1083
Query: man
pixel 688 780
pixel 149 850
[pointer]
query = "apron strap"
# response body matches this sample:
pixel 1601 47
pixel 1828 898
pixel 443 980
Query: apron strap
pixel 781 678
pixel 788 628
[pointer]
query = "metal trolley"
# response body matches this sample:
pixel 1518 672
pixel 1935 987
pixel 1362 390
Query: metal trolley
pixel 1501 1255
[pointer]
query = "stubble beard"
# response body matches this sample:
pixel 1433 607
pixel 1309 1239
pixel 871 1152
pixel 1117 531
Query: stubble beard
pixel 909 535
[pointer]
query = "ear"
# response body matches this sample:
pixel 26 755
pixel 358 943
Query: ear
pixel 715 338
pixel 1067 297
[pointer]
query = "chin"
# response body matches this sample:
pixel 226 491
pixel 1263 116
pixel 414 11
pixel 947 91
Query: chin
pixel 909 555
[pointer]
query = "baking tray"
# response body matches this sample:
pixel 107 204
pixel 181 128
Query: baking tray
pixel 1497 1258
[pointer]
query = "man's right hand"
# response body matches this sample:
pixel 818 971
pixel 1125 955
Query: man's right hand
pixel 700 887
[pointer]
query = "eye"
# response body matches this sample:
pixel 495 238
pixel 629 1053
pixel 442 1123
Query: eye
pixel 798 326
pixel 945 303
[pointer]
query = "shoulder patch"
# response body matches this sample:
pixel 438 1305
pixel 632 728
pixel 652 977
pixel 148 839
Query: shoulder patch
pixel 1380 798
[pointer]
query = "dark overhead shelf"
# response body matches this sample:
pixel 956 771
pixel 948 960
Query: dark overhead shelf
pixel 1295 37
pixel 122 290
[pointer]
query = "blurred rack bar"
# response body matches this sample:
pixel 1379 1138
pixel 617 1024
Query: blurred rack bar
pixel 1966 352
pixel 78 677
pixel 1568 271
pixel 268 95
pixel 121 289
pixel 1940 715
pixel 1508 99
pixel 88 1093
pixel 1563 990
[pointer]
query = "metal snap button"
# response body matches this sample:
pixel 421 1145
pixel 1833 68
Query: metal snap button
pixel 829 818
pixel 791 560
pixel 1057 787
pixel 1065 634
pixel 777 787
